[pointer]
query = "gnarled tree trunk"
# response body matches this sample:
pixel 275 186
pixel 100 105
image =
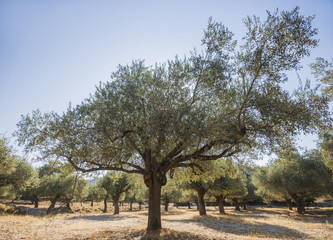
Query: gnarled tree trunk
pixel 166 205
pixel 219 202
pixel 290 206
pixel 105 204
pixel 235 200
pixel 201 202
pixel 154 211
pixel 53 202
pixel 116 204
pixel 36 200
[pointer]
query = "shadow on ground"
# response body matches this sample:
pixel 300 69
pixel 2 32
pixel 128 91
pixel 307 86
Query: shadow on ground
pixel 100 217
pixel 163 234
pixel 238 226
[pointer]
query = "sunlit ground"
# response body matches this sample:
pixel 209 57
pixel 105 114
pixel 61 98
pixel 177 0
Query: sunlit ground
pixel 182 223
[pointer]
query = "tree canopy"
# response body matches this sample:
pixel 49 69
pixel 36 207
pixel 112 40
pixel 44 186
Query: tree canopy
pixel 224 100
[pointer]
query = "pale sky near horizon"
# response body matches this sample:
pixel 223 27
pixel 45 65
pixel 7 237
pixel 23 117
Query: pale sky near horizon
pixel 56 52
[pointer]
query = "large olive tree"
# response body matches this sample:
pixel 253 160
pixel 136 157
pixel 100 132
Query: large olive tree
pixel 218 102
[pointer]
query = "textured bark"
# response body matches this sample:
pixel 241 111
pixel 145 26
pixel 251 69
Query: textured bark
pixel 235 200
pixel 201 202
pixel 105 204
pixel 68 206
pixel 290 206
pixel 244 205
pixel 116 206
pixel 219 202
pixel 189 205
pixel 53 202
pixel 154 213
pixel 299 203
pixel 36 200
pixel 166 206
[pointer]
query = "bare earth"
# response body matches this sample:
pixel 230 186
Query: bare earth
pixel 181 223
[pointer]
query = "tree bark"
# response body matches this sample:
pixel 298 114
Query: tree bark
pixel 36 201
pixel 244 205
pixel 92 203
pixel 105 204
pixel 299 203
pixel 219 202
pixel 189 205
pixel 201 202
pixel 290 206
pixel 131 206
pixel 68 206
pixel 166 206
pixel 116 204
pixel 53 202
pixel 235 200
pixel 154 211
pixel 140 204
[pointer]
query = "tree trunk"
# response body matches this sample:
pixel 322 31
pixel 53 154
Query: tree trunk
pixel 290 206
pixel 154 211
pixel 68 206
pixel 176 204
pixel 197 203
pixel 235 200
pixel 105 204
pixel 219 202
pixel 299 203
pixel 166 206
pixel 140 203
pixel 131 206
pixel 189 205
pixel 201 202
pixel 244 205
pixel 92 203
pixel 116 204
pixel 36 201
pixel 53 202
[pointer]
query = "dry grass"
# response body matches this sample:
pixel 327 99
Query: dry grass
pixel 182 223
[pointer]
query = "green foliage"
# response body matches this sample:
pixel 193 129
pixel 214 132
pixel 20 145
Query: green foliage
pixel 15 173
pixel 226 100
pixel 115 184
pixel 95 193
pixel 232 184
pixel 138 191
pixel 323 70
pixel 170 193
pixel 294 176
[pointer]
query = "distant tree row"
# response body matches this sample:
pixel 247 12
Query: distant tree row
pixel 293 177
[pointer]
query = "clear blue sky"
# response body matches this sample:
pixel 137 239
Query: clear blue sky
pixel 55 52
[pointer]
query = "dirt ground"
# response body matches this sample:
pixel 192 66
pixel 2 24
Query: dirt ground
pixel 182 223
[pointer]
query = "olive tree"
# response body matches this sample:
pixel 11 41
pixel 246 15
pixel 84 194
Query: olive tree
pixel 218 102
pixel 296 177
pixel 16 173
pixel 115 185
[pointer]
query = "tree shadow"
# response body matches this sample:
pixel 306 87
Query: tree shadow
pixel 316 215
pixel 238 226
pixel 100 217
